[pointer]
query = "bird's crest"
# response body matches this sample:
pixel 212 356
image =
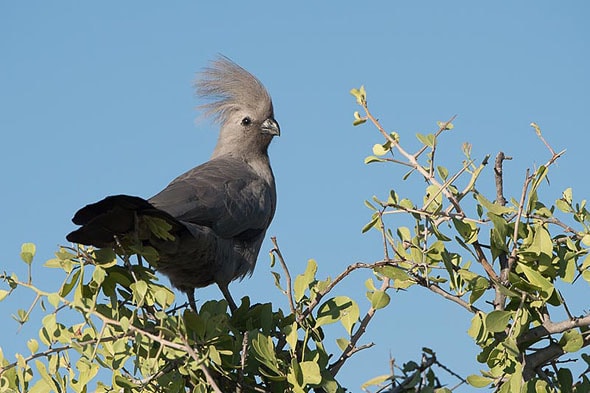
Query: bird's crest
pixel 230 87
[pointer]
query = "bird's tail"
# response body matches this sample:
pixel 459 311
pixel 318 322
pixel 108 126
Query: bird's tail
pixel 116 215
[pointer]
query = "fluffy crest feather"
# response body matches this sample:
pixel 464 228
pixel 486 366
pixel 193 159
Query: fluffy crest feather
pixel 230 87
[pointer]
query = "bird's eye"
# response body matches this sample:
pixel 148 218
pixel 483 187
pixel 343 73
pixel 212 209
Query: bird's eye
pixel 246 121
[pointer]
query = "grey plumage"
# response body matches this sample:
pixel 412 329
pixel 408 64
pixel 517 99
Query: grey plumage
pixel 219 211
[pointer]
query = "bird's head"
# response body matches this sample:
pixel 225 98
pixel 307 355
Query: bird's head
pixel 241 104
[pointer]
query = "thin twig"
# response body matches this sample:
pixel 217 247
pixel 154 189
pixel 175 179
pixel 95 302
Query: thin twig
pixel 210 380
pixel 351 348
pixel 481 257
pixel 512 258
pixel 500 298
pixel 383 234
pixel 498 171
pixel 429 361
pixel 438 290
pixel 277 251
pixel 412 159
pixel 349 269
pixel 242 362
pixel 441 129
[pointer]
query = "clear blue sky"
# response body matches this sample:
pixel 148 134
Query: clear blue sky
pixel 96 99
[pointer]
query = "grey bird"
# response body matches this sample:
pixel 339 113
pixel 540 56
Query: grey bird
pixel 216 214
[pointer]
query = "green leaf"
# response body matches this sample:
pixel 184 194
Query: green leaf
pixel 105 257
pixel 371 159
pixel 358 122
pixel 442 172
pixel 123 382
pixel 406 203
pixel 567 195
pixel 98 275
pixel 563 206
pixel 303 281
pixel 339 308
pixel 379 299
pixel 291 335
pixel 467 229
pixel 360 95
pixel 428 140
pixel 311 372
pixel 371 223
pixel 542 241
pixel 432 198
pixel 479 381
pixel 27 252
pixel 375 381
pixel 67 288
pixel 571 341
pixel 569 271
pixel 404 234
pixel 566 380
pixel 537 279
pixel 381 150
pixel 3 294
pixel 446 125
pixel 497 321
pixel 139 289
pixel 393 272
pixel 370 205
pixel 164 296
pixel 492 207
pixel 342 343
pixel 45 376
pixel 159 227
pixel 33 345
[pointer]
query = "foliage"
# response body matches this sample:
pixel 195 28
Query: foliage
pixel 112 326
pixel 534 250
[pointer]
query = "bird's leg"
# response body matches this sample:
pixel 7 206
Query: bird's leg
pixel 190 294
pixel 230 301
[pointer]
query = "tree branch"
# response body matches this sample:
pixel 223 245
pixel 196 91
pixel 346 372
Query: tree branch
pixel 277 251
pixel 500 298
pixel 548 327
pixel 536 360
pixel 351 348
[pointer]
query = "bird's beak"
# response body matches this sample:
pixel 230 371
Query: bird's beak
pixel 271 127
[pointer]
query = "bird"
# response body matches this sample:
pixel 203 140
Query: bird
pixel 209 223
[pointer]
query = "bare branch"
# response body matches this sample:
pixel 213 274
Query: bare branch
pixel 481 257
pixel 548 328
pixel 438 290
pixel 538 359
pixel 498 176
pixel 500 298
pixel 351 348
pixel 277 251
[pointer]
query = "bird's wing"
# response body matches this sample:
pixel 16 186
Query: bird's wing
pixel 223 194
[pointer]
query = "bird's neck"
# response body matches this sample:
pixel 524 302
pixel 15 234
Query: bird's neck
pixel 259 162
